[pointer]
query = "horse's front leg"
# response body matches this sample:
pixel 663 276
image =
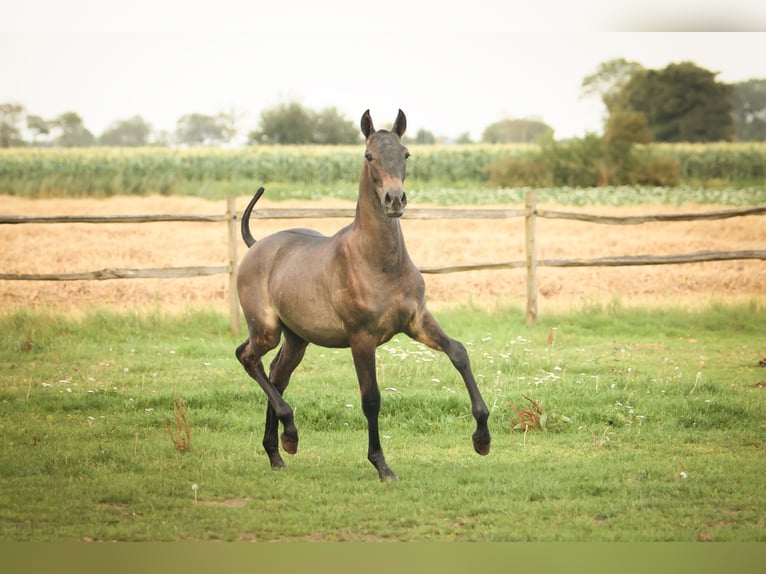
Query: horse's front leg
pixel 363 352
pixel 426 330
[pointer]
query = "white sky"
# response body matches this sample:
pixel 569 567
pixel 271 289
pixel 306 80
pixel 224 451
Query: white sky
pixel 452 66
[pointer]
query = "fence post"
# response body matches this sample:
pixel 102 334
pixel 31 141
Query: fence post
pixel 231 222
pixel 530 203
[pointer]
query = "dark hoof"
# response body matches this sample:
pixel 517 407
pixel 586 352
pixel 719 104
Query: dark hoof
pixel 481 441
pixel 277 463
pixel 388 475
pixel 290 443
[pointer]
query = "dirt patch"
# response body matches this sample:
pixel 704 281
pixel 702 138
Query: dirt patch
pixel 227 503
pixel 66 248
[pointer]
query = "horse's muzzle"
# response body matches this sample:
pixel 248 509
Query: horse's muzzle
pixel 394 203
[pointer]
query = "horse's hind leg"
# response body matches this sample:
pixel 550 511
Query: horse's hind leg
pixel 287 359
pixel 250 354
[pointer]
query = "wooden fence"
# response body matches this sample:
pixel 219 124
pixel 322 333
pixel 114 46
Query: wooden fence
pixel 530 263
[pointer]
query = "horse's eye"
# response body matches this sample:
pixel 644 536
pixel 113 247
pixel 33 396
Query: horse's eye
pixel 368 156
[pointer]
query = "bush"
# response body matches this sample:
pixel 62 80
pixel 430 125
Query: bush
pixel 659 170
pixel 578 162
pixel 521 172
pixel 572 163
pixel 587 162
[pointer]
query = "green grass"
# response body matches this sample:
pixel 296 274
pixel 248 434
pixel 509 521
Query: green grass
pixel 655 431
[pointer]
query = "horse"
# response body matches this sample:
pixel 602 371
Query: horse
pixel 355 289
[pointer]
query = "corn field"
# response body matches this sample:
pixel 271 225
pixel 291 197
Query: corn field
pixel 307 172
pixel 741 162
pixel 77 172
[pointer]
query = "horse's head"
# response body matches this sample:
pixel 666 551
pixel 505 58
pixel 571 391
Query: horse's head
pixel 386 160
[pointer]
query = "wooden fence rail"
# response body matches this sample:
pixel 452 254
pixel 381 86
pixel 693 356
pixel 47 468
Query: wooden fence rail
pixel 109 273
pixel 614 261
pixel 637 219
pixel 348 213
pixel 11 219
pixel 530 263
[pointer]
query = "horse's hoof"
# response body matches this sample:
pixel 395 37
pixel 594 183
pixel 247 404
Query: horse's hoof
pixel 277 463
pixel 481 442
pixel 388 475
pixel 290 443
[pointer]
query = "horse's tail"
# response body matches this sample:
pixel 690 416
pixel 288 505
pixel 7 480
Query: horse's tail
pixel 245 226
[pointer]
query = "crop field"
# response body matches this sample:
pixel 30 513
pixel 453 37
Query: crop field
pixel 217 172
pixel 441 174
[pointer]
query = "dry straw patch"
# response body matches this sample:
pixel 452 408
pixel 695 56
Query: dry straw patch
pixel 63 248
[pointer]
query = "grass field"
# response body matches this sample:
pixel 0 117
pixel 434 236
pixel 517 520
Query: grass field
pixel 653 430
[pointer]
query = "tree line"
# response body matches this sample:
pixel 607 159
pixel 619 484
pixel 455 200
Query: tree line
pixel 679 103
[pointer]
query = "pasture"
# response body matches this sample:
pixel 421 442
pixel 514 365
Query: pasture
pixel 634 411
pixel 651 429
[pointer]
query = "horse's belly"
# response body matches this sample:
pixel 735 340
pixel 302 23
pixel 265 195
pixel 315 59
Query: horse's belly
pixel 305 307
pixel 332 319
pixel 322 334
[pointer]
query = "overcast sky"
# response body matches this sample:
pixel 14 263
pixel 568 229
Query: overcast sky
pixel 453 67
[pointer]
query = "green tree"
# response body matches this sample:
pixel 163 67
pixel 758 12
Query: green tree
pixel 201 129
pixel 425 137
pixel 626 127
pixel 72 131
pixel 227 123
pixel 749 102
pixel 609 81
pixel 287 123
pixel 10 118
pixel 623 129
pixel 331 127
pixel 134 131
pixel 292 123
pixel 38 126
pixel 682 102
pixel 519 130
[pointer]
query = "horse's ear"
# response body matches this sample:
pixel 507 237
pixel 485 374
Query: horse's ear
pixel 367 128
pixel 400 125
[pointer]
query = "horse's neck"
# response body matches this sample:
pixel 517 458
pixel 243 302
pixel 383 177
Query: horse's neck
pixel 380 236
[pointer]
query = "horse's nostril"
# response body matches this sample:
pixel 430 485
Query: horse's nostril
pixel 395 200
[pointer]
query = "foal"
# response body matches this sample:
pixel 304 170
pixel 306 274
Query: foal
pixel 355 289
